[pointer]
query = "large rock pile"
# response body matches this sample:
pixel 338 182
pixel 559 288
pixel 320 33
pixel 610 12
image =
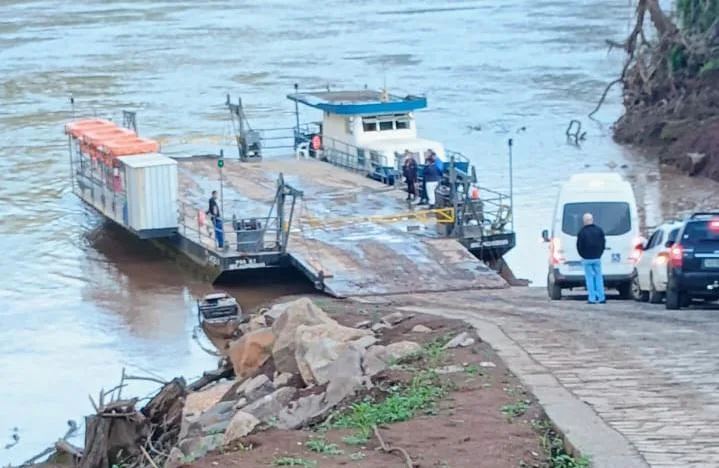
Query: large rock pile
pixel 293 366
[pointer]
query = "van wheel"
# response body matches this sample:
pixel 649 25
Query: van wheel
pixel 637 293
pixel 625 290
pixel 655 297
pixel 553 289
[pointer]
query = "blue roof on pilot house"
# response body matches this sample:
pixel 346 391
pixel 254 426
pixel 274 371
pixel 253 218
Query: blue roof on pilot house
pixel 365 101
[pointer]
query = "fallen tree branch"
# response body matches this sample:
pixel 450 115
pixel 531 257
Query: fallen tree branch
pixel 387 449
pixel 40 455
pixel 205 349
pixel 149 379
pixel 60 445
pixel 630 47
pixel 604 96
pixel 148 457
pixel 65 446
pixel 210 377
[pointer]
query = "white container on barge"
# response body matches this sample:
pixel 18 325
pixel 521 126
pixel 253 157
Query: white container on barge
pixel 150 182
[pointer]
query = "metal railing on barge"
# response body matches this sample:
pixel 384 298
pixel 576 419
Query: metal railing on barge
pixel 252 242
pixel 240 236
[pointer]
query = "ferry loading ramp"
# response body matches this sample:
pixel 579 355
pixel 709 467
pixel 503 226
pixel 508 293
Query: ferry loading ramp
pixel 346 235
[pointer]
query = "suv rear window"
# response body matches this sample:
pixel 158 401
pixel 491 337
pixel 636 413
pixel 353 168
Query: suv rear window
pixel 612 217
pixel 698 231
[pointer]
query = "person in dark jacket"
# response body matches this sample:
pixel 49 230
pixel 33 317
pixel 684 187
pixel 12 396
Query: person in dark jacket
pixel 214 211
pixel 590 245
pixel 409 169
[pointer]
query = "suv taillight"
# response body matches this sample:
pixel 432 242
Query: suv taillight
pixel 676 255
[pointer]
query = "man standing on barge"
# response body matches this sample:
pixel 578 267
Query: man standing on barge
pixel 216 217
pixel 410 174
pixel 432 176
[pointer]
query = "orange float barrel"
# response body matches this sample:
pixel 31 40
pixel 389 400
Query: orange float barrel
pixel 94 138
pixel 77 128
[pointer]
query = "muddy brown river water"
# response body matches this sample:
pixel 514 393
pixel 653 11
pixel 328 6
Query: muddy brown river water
pixel 78 301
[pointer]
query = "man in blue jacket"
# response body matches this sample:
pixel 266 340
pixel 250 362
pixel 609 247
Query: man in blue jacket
pixel 432 175
pixel 590 245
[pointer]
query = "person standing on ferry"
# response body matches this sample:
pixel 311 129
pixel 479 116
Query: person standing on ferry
pixel 432 175
pixel 409 169
pixel 214 211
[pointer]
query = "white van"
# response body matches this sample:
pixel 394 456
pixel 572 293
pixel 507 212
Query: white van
pixel 610 199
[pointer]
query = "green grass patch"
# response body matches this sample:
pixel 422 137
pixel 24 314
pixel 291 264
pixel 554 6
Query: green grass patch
pixel 567 461
pixel 711 65
pixel 553 446
pixel 401 404
pixel 515 410
pixel 433 352
pixel 290 461
pixel 322 446
pixel 355 440
pixel 357 456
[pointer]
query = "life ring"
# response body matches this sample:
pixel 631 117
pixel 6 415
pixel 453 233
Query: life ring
pixel 316 142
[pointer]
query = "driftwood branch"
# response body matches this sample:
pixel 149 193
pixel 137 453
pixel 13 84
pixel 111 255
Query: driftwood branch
pixel 387 449
pixel 39 456
pixel 120 433
pixel 210 377
pixel 148 457
pixel 61 445
pixel 604 96
pixel 148 379
pixel 664 26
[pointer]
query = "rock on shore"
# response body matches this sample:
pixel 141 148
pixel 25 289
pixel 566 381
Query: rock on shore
pixel 291 370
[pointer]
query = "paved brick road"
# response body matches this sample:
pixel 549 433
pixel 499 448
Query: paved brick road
pixel 650 374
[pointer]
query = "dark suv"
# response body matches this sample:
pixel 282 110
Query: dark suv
pixel 693 269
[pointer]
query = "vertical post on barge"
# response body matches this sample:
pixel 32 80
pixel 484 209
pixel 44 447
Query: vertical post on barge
pixel 297 118
pixel 511 184
pixel 221 164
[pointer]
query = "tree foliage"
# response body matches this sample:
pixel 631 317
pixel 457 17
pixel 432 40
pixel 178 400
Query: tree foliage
pixel 697 16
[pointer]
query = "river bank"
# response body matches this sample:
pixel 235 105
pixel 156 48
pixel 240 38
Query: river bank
pixel 671 86
pixel 344 383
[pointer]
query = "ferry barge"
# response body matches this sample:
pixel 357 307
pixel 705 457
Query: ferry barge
pixel 331 211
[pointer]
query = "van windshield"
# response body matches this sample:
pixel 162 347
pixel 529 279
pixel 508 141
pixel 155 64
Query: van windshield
pixel 612 217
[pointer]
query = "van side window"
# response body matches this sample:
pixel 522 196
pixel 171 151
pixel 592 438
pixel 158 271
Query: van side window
pixel 673 235
pixel 613 217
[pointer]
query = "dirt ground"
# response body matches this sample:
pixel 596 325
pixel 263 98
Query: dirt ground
pixel 486 419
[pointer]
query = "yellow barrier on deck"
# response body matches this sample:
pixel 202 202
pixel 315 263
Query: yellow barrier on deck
pixel 441 215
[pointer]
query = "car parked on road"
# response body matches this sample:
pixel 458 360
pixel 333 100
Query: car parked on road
pixel 650 280
pixel 693 268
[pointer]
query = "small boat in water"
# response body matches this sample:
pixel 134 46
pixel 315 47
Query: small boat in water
pixel 220 316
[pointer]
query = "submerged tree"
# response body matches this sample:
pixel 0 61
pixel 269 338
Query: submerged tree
pixel 667 76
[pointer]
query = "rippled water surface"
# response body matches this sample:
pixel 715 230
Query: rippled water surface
pixel 79 301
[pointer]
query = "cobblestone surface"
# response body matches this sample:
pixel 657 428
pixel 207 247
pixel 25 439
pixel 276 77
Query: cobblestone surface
pixel 649 373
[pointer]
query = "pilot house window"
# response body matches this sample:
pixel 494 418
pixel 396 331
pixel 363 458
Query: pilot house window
pixel 369 125
pixel 387 123
pixel 402 124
